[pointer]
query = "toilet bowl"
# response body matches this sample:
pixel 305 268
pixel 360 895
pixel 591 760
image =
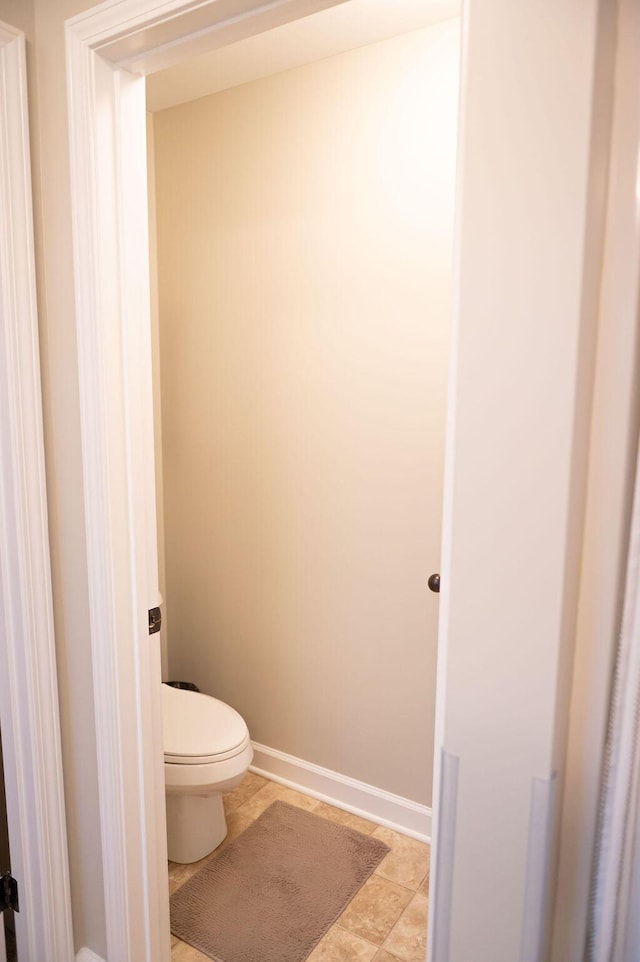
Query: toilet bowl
pixel 207 751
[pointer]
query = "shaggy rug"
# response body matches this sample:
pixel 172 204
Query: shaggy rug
pixel 273 892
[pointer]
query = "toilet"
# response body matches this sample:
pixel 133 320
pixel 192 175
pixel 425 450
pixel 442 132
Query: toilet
pixel 207 751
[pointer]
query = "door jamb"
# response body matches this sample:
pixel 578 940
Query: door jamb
pixel 29 712
pixel 142 35
pixel 109 222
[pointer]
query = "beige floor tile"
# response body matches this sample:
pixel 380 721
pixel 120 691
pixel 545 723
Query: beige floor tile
pixel 383 956
pixel 345 818
pixel 182 952
pixel 376 908
pixel 424 886
pixel 408 938
pixel 338 945
pixel 179 873
pixel 236 824
pixel 273 792
pixel 408 861
pixel 250 784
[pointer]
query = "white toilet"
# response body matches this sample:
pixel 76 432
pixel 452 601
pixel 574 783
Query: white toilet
pixel 207 751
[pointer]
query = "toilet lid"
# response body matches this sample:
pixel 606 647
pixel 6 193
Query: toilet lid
pixel 197 728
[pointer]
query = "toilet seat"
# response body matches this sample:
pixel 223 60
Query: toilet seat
pixel 199 729
pixel 207 759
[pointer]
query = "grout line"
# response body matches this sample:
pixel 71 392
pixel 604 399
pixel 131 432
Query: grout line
pixel 354 935
pixel 395 924
pixel 374 945
pixel 406 887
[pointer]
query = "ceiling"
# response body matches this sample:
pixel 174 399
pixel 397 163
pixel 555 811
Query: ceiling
pixel 351 24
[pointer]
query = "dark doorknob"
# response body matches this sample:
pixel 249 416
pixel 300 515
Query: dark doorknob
pixel 434 583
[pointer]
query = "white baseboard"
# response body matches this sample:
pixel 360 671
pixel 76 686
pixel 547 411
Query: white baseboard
pixel 86 955
pixel 392 811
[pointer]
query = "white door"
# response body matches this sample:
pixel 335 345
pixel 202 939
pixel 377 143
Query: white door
pixel 529 257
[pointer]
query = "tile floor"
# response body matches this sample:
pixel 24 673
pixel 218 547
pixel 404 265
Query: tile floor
pixel 385 922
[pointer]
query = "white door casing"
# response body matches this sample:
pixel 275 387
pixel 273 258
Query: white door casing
pixel 29 716
pixel 111 290
pixel 109 190
pixel 109 216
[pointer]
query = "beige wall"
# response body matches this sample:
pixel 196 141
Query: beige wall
pixel 19 14
pixel 304 254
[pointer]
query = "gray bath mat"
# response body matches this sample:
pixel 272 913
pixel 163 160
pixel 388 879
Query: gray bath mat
pixel 274 891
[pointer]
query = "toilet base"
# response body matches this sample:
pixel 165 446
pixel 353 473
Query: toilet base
pixel 195 826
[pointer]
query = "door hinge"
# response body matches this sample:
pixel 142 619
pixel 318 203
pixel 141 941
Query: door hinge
pixel 155 620
pixel 8 893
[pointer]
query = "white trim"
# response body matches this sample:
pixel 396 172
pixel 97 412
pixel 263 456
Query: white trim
pixel 376 804
pixel 86 955
pixel 442 858
pixel 107 112
pixel 439 908
pixel 144 36
pixel 29 714
pixel 536 904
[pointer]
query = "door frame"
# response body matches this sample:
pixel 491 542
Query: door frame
pixel 29 714
pixel 109 49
